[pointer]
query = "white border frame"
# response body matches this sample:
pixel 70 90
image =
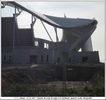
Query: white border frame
pixel 55 98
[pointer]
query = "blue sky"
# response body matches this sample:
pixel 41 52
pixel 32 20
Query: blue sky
pixel 70 9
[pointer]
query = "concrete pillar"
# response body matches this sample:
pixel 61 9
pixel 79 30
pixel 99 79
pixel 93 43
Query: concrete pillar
pixel 88 45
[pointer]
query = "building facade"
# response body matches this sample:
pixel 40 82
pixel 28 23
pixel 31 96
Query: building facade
pixel 20 47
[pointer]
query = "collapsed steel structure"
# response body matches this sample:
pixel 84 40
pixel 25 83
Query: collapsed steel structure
pixel 76 34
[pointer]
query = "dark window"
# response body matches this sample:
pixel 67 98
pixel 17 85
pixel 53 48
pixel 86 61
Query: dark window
pixel 41 58
pixel 84 59
pixel 47 58
pixel 33 59
pixel 9 59
pixel 65 57
pixel 4 58
pixel 69 59
pixel 58 60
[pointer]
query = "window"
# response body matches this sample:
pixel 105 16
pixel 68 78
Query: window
pixel 84 59
pixel 47 58
pixel 33 59
pixel 69 59
pixel 36 43
pixel 46 45
pixel 58 60
pixel 80 50
pixel 42 58
pixel 9 59
pixel 4 58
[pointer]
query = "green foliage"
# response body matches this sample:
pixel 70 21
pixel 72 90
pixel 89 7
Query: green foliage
pixel 28 90
pixel 16 86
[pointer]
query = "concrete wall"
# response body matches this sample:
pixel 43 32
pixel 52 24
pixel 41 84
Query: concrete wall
pixel 12 36
pixel 47 56
pixel 84 57
pixel 7 31
pixel 25 51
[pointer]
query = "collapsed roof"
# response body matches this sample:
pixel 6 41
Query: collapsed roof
pixel 59 22
pixel 75 31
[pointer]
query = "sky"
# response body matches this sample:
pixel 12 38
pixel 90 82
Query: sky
pixel 87 10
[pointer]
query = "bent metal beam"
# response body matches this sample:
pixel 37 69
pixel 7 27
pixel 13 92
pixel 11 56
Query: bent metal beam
pixel 70 26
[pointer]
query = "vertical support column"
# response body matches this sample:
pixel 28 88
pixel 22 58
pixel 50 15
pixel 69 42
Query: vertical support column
pixel 64 32
pixel 64 35
pixel 88 45
pixel 46 30
pixel 14 28
pixel 57 39
pixel 32 24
